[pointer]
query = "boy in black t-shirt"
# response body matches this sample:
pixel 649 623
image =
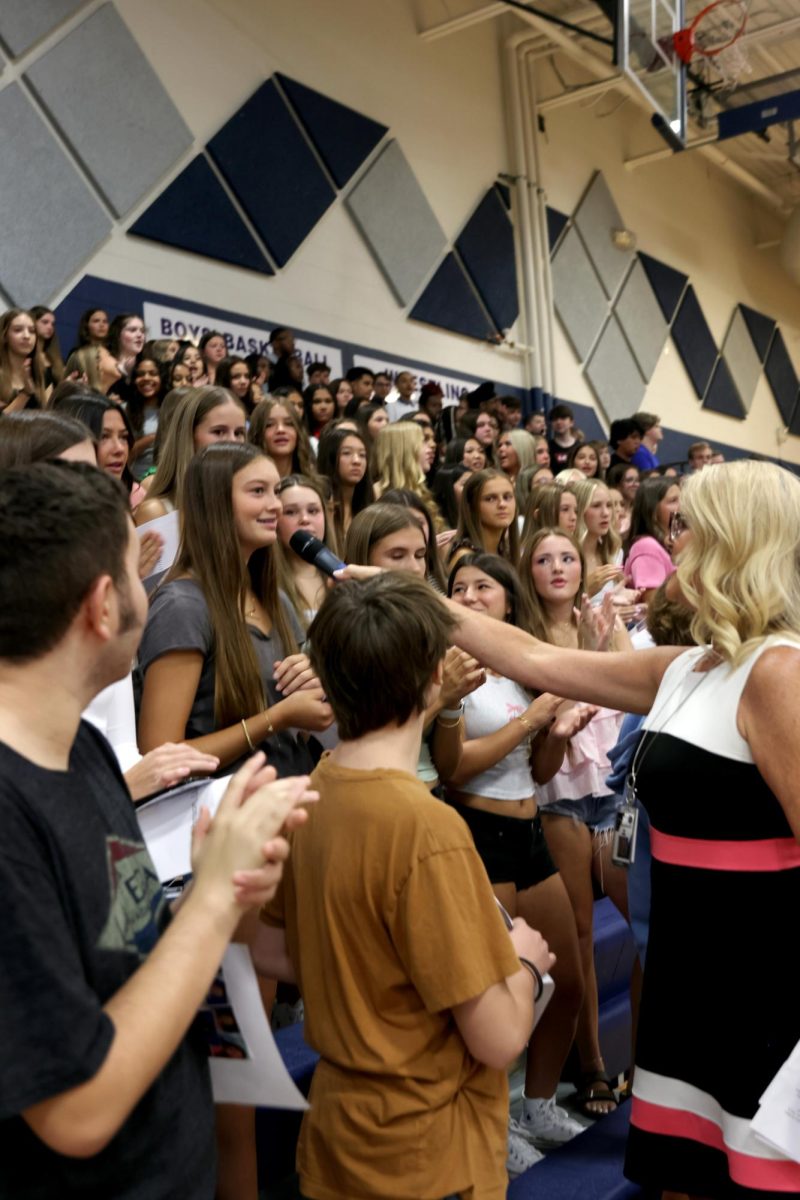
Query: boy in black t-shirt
pixel 102 1092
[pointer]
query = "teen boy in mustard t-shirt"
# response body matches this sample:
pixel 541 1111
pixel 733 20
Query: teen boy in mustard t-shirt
pixel 414 993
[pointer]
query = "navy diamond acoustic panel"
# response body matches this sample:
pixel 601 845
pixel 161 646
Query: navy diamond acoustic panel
pixel 195 213
pixel 782 378
pixel 111 107
pixel 667 283
pixel 450 303
pixel 54 223
pixel 556 224
pixel 343 137
pixel 760 328
pixel 23 23
pixel 722 395
pixel 486 246
pixel 695 342
pixel 272 171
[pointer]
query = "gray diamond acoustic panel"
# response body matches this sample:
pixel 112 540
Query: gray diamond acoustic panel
pixel 110 106
pixel 396 221
pixel 57 223
pixel 25 22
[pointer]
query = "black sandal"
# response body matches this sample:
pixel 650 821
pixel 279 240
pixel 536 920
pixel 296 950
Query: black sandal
pixel 594 1087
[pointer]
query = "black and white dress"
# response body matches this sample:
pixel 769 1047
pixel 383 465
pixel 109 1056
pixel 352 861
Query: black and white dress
pixel 720 1011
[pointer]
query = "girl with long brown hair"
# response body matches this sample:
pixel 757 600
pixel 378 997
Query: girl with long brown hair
pixel 22 362
pixel 205 415
pixel 487 517
pixel 343 459
pixel 576 805
pixel 279 433
pixel 218 628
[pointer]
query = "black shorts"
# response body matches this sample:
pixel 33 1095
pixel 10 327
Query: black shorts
pixel 512 850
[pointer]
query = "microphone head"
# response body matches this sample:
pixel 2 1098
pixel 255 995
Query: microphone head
pixel 305 544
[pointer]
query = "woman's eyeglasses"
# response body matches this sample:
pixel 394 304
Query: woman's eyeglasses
pixel 677 525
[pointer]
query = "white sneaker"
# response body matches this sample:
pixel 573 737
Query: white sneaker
pixel 545 1124
pixel 521 1154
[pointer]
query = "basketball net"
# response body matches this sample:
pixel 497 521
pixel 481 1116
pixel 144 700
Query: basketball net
pixel 715 35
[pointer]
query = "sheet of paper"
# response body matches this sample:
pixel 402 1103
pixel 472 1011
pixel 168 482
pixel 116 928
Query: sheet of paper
pixel 246 1065
pixel 170 529
pixel 777 1122
pixel 167 823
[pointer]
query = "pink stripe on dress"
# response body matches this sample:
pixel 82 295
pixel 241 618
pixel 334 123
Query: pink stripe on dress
pixel 760 1174
pixel 764 854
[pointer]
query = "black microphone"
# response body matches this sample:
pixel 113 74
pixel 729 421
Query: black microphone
pixel 314 551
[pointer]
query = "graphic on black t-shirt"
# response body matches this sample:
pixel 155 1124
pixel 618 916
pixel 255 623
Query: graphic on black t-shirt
pixel 136 899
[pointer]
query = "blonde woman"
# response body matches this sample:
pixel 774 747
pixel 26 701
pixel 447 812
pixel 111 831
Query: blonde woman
pixel 515 450
pixel 717 769
pixel 401 459
pixel 600 542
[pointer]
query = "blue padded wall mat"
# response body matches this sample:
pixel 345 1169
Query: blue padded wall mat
pixel 782 378
pixel 486 246
pixel 450 303
pixel 343 137
pixel 761 329
pixel 195 213
pixel 556 224
pixel 722 395
pixel 272 171
pixel 695 342
pixel 666 282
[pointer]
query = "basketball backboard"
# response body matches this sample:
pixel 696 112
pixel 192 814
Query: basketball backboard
pixel 645 29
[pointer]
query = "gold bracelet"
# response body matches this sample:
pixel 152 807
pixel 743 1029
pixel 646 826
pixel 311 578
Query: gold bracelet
pixel 448 724
pixel 250 745
pixel 524 721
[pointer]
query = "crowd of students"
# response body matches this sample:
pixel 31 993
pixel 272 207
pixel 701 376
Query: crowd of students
pixel 456 771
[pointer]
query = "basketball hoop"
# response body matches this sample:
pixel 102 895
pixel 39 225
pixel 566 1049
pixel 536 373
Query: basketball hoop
pixel 714 35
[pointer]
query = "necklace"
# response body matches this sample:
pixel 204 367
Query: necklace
pixel 631 793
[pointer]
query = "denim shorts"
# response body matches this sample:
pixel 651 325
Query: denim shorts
pixel 512 850
pixel 598 812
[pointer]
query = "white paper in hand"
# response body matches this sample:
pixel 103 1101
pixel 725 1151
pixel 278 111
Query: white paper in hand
pixel 246 1065
pixel 167 822
pixel 777 1122
pixel 170 529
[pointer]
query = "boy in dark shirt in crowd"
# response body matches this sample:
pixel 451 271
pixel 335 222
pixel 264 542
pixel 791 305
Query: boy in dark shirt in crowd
pixel 102 1093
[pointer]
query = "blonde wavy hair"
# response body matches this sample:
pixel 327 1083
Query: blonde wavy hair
pixel 740 570
pixel 609 545
pixel 395 455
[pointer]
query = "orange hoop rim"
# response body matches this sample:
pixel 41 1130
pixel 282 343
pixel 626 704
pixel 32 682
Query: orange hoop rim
pixel 684 41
